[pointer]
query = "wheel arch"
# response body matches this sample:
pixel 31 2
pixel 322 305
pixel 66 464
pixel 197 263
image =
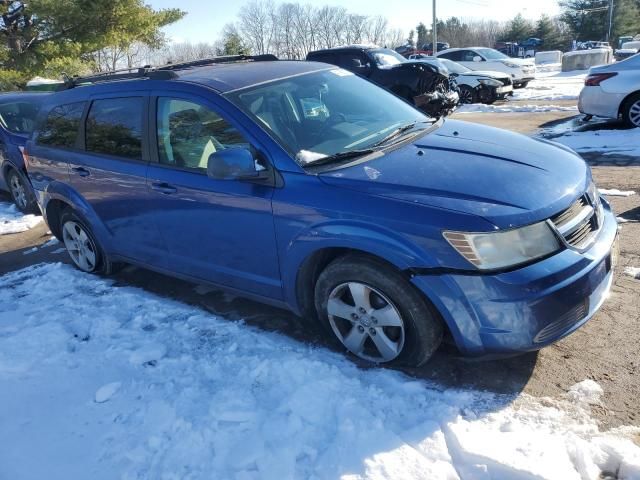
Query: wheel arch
pixel 624 101
pixel 309 253
pixel 60 196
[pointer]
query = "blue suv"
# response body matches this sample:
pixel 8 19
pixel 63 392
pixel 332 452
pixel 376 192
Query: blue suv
pixel 304 186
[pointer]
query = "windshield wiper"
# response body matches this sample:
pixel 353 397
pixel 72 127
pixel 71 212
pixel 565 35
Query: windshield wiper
pixel 397 133
pixel 337 157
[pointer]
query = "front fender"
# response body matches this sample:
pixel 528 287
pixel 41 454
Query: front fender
pixel 359 236
pixel 57 191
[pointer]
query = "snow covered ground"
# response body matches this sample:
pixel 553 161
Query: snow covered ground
pixel 553 85
pixel 102 381
pixel 513 107
pixel 14 221
pixel 609 142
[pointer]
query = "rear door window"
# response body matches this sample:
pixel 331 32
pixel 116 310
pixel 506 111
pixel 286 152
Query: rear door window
pixel 114 127
pixel 454 56
pixel 62 126
pixel 19 117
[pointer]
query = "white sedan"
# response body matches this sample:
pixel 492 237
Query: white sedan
pixel 522 71
pixel 613 91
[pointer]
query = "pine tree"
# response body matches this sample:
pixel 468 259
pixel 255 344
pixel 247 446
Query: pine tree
pixel 626 18
pixel 548 30
pixel 586 19
pixel 518 29
pixel 421 30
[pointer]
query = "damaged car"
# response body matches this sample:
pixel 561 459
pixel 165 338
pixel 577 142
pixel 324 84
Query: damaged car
pixel 425 86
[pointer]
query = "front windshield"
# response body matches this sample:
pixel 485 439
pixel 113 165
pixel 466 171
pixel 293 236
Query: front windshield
pixel 386 58
pixel 454 67
pixel 321 114
pixel 491 54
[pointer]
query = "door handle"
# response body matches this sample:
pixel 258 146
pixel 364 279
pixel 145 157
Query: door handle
pixel 83 172
pixel 164 188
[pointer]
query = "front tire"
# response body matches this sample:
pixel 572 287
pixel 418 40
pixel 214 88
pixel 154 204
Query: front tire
pixel 631 111
pixel 468 95
pixel 83 248
pixel 21 192
pixel 375 313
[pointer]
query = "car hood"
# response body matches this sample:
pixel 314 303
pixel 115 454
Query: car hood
pixel 506 178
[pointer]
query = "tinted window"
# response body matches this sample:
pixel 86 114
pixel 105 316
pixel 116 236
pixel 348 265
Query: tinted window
pixel 467 55
pixel 352 60
pixel 62 125
pixel 323 57
pixel 19 117
pixel 188 133
pixel 114 127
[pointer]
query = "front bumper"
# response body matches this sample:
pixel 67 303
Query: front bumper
pixel 528 308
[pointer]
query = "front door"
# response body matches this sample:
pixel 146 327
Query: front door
pixel 216 230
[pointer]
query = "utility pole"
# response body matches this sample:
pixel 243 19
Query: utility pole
pixel 434 30
pixel 610 20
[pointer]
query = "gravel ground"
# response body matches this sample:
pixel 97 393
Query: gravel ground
pixel 605 350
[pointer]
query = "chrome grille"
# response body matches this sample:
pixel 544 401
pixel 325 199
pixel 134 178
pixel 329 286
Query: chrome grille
pixel 580 223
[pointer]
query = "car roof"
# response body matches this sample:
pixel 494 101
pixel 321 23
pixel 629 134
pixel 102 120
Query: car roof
pixel 235 76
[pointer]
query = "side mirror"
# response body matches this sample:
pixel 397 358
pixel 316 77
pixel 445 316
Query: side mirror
pixel 235 163
pixel 477 58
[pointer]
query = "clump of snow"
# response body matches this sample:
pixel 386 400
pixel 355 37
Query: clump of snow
pixel 633 272
pixel 614 192
pixel 510 108
pixel 587 391
pixel 51 242
pixel 209 398
pixel 13 220
pixel 107 391
pixel 306 156
pixel 622 220
pixel 611 142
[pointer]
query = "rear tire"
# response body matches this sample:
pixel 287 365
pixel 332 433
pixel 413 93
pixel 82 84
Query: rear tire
pixel 631 111
pixel 370 309
pixel 21 192
pixel 81 244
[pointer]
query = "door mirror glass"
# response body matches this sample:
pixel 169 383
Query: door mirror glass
pixel 235 163
pixel 477 58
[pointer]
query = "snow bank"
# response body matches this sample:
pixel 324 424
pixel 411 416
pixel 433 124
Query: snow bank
pixel 14 221
pixel 104 382
pixel 610 142
pixel 510 108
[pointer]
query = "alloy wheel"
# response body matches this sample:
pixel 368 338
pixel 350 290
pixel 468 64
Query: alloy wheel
pixel 18 191
pixel 80 246
pixel 634 113
pixel 366 322
pixel 466 97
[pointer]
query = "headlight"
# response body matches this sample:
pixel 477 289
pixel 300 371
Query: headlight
pixel 500 249
pixel 511 65
pixel 489 82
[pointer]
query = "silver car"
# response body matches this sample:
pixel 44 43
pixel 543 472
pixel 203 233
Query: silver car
pixel 613 91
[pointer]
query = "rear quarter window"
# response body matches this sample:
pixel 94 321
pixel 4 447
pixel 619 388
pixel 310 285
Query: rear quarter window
pixel 19 116
pixel 61 127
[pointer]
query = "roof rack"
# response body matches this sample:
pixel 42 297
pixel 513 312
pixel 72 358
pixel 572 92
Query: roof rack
pixel 165 72
pixel 267 57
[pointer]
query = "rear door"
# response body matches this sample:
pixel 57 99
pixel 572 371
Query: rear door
pixel 220 231
pixel 111 174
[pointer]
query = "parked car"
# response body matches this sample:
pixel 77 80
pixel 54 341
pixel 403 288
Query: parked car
pixel 302 185
pixel 628 49
pixel 613 91
pixel 474 86
pixel 423 85
pixel 18 113
pixel 522 71
pixel 442 46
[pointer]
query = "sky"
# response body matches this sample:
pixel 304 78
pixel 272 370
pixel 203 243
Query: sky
pixel 205 19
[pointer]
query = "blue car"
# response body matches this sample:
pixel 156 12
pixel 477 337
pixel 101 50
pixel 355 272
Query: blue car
pixel 304 186
pixel 18 112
